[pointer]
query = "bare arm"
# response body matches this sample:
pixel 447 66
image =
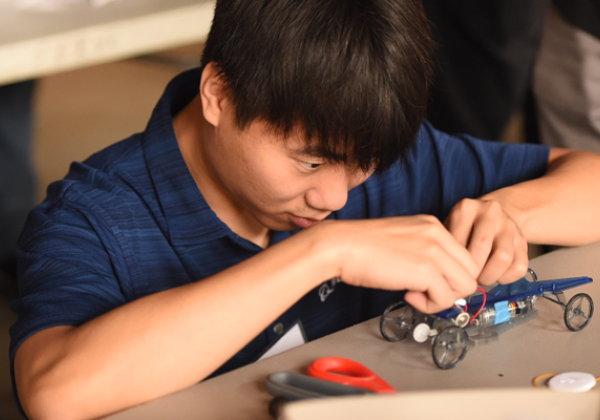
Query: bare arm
pixel 559 208
pixel 173 339
pixel 160 343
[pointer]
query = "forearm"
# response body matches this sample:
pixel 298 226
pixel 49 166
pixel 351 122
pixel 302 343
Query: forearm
pixel 560 208
pixel 173 339
pixel 166 341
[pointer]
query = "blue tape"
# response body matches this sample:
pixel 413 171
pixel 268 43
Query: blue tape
pixel 502 314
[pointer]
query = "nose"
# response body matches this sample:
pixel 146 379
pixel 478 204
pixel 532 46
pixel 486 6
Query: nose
pixel 330 191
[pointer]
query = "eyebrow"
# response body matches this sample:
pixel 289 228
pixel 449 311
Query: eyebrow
pixel 318 152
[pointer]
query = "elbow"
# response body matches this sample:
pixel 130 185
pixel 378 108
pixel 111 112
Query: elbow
pixel 46 390
pixel 41 401
pixel 46 393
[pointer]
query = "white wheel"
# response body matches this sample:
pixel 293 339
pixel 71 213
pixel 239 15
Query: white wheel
pixel 421 332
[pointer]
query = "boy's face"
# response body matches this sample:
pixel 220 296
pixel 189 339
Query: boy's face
pixel 280 182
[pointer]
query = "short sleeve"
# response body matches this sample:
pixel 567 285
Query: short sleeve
pixel 439 170
pixel 70 270
pixel 470 167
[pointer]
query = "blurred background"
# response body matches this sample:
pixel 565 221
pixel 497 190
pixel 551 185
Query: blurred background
pixel 79 75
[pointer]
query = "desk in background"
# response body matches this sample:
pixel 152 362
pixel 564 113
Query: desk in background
pixel 543 345
pixel 34 44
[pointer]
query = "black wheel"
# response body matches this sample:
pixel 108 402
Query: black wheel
pixel 579 312
pixel 532 274
pixel 397 321
pixel 450 347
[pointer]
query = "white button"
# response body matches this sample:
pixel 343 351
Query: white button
pixel 572 382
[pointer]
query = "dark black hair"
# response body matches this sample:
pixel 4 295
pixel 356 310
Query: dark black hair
pixel 353 74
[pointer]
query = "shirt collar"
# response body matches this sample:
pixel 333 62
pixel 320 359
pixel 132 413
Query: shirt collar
pixel 189 218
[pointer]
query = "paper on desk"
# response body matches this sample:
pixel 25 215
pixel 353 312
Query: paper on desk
pixel 489 404
pixel 55 5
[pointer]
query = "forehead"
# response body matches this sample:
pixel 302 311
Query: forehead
pixel 297 141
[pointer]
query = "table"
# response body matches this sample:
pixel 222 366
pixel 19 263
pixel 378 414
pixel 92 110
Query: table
pixel 34 44
pixel 543 345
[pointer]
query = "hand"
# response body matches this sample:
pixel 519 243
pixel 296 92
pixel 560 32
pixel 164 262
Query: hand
pixel 492 237
pixel 415 253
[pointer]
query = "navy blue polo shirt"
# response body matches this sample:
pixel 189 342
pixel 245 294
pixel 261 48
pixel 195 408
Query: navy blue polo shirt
pixel 130 221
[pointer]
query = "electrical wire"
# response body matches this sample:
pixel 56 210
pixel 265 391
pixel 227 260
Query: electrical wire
pixel 540 377
pixel 482 303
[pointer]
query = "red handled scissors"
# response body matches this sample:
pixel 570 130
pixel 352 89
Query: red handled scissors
pixel 348 372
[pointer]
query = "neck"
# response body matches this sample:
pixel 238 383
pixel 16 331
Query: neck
pixel 193 132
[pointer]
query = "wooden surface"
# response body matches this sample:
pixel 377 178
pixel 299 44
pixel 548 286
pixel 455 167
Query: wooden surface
pixel 543 345
pixel 34 44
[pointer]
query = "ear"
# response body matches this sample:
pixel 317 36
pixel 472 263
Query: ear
pixel 212 94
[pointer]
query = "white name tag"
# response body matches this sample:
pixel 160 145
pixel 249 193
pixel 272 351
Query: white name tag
pixel 293 337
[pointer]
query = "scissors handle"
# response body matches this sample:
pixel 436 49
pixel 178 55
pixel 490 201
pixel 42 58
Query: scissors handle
pixel 348 372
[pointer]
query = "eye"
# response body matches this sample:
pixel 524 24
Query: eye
pixel 311 165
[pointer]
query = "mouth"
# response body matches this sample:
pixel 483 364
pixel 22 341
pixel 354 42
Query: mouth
pixel 303 222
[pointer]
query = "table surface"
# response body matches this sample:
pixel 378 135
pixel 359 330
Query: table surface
pixel 543 345
pixel 34 44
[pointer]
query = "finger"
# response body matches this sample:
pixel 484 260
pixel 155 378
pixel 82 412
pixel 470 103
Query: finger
pixel 520 263
pixel 460 221
pixel 444 256
pixel 429 290
pixel 460 280
pixel 482 238
pixel 422 303
pixel 441 282
pixel 501 258
pixel 459 253
pixel 436 238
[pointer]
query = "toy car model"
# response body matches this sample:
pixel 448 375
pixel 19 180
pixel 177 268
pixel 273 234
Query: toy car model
pixel 482 317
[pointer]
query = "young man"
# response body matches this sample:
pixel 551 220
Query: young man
pixel 172 255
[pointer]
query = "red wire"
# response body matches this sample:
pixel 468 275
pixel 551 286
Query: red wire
pixel 482 303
